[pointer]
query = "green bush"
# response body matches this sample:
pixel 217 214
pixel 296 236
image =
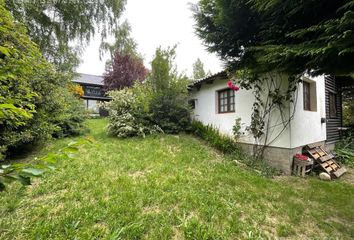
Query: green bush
pixel 171 112
pixel 344 150
pixel 34 98
pixel 129 113
pixel 71 121
pixel 228 146
pixel 160 104
pixel 169 103
pixel 211 134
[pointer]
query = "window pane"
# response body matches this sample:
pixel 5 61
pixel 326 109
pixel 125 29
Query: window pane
pixel 306 93
pixel 332 105
pixel 92 106
pixel 226 101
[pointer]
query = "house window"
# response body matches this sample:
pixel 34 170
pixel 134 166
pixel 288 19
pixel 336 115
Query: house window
pixel 226 101
pixel 93 91
pixel 309 96
pixel 192 103
pixel 92 106
pixel 332 105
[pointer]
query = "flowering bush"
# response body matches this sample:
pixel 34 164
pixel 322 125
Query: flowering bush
pixel 76 89
pixel 232 86
pixel 129 112
pixel 159 104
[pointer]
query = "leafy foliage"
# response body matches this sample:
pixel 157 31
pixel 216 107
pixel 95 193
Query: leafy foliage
pixel 76 89
pixel 34 98
pixel 53 24
pixel 129 112
pixel 345 150
pixel 287 36
pixel 125 69
pixel 211 134
pixel 348 105
pixel 123 42
pixel 23 172
pixel 159 104
pixel 70 121
pixel 169 105
pixel 170 112
pixel 227 145
pixel 198 70
pixel 236 129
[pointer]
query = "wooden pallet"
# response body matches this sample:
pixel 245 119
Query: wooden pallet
pixel 325 160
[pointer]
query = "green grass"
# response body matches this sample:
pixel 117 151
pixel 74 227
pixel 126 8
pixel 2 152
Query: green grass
pixel 170 187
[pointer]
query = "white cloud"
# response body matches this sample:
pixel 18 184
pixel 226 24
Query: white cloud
pixel 159 23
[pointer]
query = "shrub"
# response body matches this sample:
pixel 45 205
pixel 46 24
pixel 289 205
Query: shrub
pixel 236 129
pixel 211 134
pixel 159 104
pixel 129 113
pixel 171 113
pixel 345 151
pixel 34 98
pixel 169 105
pixel 76 89
pixel 227 145
pixel 71 121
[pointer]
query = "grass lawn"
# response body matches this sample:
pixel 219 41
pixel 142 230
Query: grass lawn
pixel 170 187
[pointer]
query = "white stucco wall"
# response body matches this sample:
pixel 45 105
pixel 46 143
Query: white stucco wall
pixel 305 128
pixel 206 106
pixel 206 111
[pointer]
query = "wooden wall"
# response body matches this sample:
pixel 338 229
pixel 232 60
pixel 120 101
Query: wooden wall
pixel 333 123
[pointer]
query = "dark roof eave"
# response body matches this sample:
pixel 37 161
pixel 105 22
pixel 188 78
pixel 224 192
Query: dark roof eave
pixel 217 76
pixel 88 84
pixel 96 98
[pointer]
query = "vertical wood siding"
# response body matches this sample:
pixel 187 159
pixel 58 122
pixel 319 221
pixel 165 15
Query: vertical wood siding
pixel 333 123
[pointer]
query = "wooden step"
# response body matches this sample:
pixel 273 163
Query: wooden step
pixel 321 153
pixel 314 145
pixel 334 167
pixel 324 150
pixel 327 157
pixel 340 172
pixel 314 154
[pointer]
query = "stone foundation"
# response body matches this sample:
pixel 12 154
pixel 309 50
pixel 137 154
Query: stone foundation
pixel 279 158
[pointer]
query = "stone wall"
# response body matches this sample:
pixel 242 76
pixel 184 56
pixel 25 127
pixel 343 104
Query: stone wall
pixel 279 158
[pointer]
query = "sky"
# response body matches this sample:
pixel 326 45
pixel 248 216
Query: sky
pixel 158 23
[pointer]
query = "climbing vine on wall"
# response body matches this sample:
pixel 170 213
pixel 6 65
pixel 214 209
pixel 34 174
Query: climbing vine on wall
pixel 274 98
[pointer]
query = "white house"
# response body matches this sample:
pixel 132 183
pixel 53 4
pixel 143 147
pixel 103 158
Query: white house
pixel 314 115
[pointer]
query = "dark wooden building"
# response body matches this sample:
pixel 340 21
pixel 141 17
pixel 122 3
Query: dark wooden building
pixel 93 92
pixel 334 117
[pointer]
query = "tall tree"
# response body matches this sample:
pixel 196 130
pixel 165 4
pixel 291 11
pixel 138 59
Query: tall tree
pixel 198 70
pixel 289 36
pixel 169 104
pixel 123 42
pixel 56 25
pixel 34 100
pixel 163 71
pixel 124 70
